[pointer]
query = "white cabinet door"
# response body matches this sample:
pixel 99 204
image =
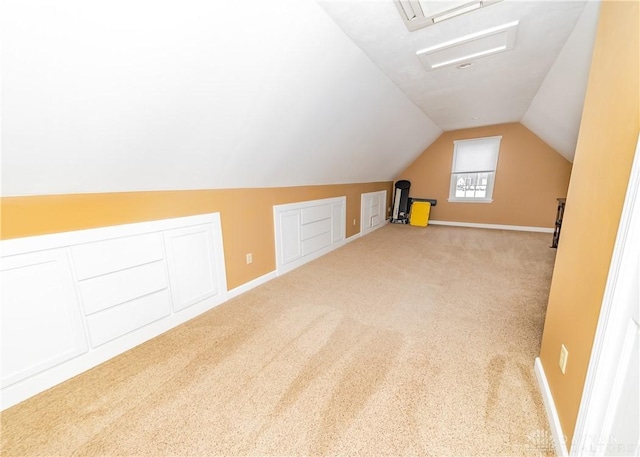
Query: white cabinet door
pixel 193 274
pixel 42 323
pixel 372 211
pixel 289 233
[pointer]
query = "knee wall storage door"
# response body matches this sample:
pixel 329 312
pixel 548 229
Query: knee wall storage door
pixel 304 231
pixel 73 300
pixel 373 214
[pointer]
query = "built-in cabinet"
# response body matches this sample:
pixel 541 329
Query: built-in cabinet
pixel 305 231
pixel 70 301
pixel 73 300
pixel 42 321
pixel 373 214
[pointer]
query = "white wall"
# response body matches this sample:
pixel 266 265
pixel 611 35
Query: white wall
pixel 155 94
pixel 556 111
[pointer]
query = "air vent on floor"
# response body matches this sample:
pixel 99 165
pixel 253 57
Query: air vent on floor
pixel 417 14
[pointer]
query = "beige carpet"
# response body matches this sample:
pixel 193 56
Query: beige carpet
pixel 409 341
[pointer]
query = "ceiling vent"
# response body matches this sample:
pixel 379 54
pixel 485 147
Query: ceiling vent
pixel 484 43
pixel 417 14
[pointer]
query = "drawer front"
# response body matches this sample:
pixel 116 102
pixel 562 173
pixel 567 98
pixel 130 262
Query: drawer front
pixel 103 257
pixel 112 323
pixel 315 243
pixel 316 228
pixel 316 213
pixel 112 289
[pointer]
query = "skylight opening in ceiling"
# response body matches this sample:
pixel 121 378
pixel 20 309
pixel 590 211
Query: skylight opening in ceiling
pixel 470 47
pixel 417 14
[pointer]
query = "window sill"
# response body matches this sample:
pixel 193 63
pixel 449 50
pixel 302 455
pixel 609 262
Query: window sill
pixel 470 200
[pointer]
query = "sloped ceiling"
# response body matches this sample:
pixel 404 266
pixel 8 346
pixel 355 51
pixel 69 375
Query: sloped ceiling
pixel 555 112
pixel 541 82
pixel 131 95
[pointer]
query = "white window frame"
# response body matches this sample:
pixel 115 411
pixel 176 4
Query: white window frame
pixel 490 169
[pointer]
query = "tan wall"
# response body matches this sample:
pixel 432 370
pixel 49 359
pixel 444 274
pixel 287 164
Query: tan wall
pixel 246 214
pixel 605 150
pixel 530 177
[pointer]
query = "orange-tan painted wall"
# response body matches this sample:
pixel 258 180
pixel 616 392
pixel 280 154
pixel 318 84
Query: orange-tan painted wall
pixel 246 214
pixel 529 178
pixel 604 154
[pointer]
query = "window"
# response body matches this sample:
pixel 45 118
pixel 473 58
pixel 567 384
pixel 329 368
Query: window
pixel 474 169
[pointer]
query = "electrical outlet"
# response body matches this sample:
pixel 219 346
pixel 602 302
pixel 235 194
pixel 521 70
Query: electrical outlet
pixel 564 355
pixel 354 222
pixel 249 258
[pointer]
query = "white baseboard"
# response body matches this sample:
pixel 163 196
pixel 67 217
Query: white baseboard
pixel 359 234
pixel 559 440
pixel 519 228
pixel 247 286
pixel 91 355
pixel 274 274
pixel 353 237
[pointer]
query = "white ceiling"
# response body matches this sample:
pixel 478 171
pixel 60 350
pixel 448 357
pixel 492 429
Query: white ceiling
pixel 134 95
pixel 541 82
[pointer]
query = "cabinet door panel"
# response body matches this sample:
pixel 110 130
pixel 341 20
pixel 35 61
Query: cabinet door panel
pixel 192 266
pixel 41 319
pixel 291 236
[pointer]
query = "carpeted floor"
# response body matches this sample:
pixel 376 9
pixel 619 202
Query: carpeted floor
pixel 409 341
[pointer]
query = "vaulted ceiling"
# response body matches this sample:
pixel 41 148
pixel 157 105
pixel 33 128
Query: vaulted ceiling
pixel 541 82
pixel 133 95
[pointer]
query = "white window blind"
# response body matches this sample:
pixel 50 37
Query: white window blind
pixel 477 155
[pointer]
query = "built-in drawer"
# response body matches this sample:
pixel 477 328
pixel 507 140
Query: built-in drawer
pixel 102 257
pixel 116 321
pixel 315 228
pixel 315 243
pixel 316 213
pixel 105 291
